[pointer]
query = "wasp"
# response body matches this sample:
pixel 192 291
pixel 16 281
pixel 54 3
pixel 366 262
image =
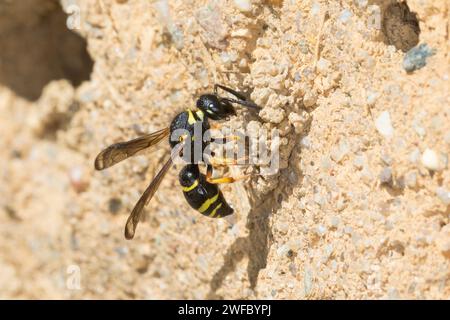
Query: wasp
pixel 200 191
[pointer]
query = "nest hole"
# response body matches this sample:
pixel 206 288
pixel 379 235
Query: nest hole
pixel 37 47
pixel 400 25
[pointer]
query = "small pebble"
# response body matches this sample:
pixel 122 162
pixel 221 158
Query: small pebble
pixel 416 58
pixel 430 159
pixel 335 221
pixel 386 175
pixel 326 163
pixel 243 33
pixel 226 59
pixel 214 30
pixel 283 227
pixel 387 159
pixel 319 199
pixel 371 98
pixel 293 178
pixel 443 195
pixel 305 142
pixel 443 240
pixel 340 151
pixel 383 125
pixel 345 15
pixel 272 115
pixel 283 250
pixel 307 281
pixel 243 63
pixel 411 179
pixel 293 269
pixel 121 251
pixel 315 10
pixel 348 230
pixel 328 251
pixel 393 294
pixel 358 162
pixel 298 121
pixel 304 47
pixel 419 130
pixel 414 156
pixel 362 3
pixel 388 225
pixel 78 179
pixel 309 99
pixel 323 65
pixel 443 161
pixel 243 5
pixel 321 230
pixel 296 245
pixel 447 138
pixel 366 175
pixel 177 37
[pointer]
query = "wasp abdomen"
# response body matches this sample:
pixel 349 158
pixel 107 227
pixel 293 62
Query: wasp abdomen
pixel 206 198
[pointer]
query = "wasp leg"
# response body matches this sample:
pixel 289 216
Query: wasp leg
pixel 242 100
pixel 229 90
pixel 245 103
pixel 216 161
pixel 210 179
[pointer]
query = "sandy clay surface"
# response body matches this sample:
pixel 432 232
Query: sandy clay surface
pixel 359 209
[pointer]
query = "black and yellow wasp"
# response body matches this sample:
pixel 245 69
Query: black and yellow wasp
pixel 201 191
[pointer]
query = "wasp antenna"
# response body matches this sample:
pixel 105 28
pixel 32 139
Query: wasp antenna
pixel 245 103
pixel 229 90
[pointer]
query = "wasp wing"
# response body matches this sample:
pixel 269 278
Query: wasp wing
pixel 123 150
pixel 135 215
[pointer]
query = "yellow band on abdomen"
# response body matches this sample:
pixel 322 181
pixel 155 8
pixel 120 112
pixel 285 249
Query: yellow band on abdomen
pixel 213 213
pixel 187 189
pixel 207 203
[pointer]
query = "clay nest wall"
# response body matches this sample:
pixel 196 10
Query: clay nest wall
pixel 359 209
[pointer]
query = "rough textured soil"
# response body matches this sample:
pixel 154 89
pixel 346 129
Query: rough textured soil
pixel 360 208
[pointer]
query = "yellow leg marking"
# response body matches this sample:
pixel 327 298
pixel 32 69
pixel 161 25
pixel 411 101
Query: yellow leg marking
pixel 187 189
pixel 207 203
pixel 213 213
pixel 226 179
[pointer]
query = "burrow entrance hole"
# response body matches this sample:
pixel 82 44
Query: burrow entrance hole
pixel 36 47
pixel 400 25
